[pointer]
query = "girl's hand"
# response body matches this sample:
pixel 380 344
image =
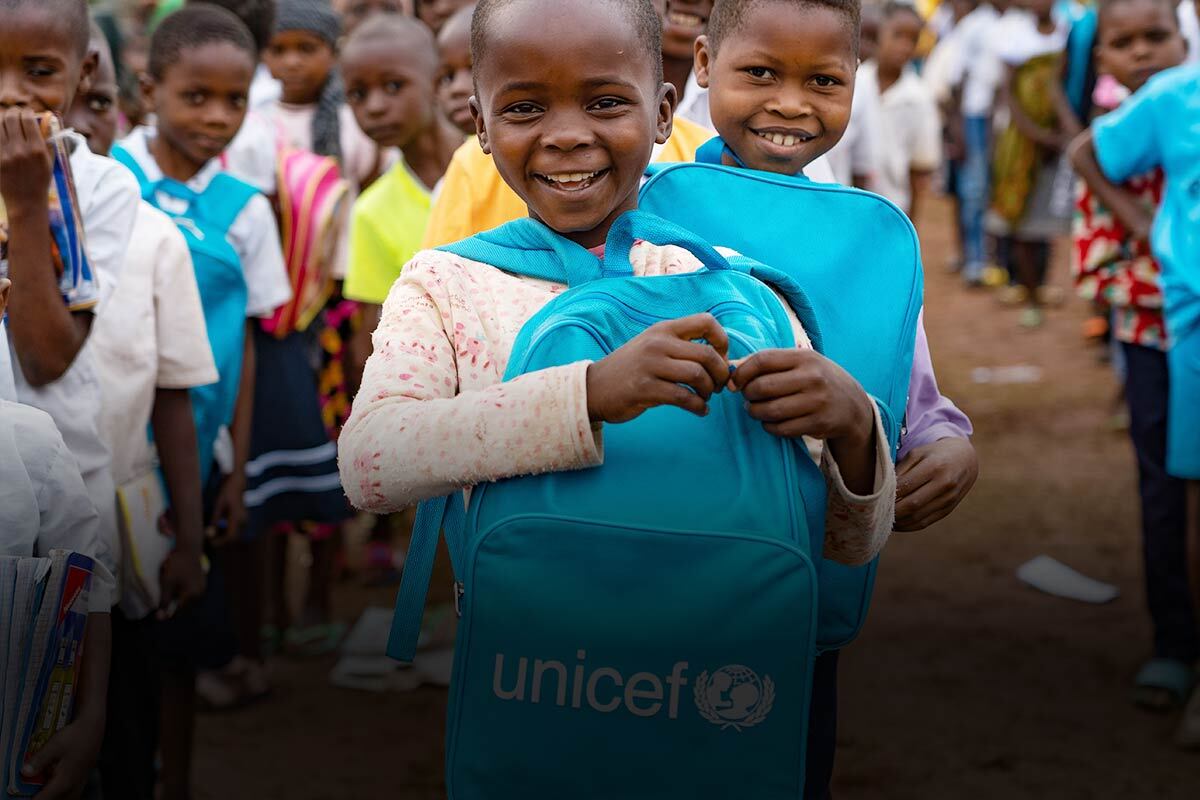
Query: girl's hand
pixel 654 369
pixel 67 759
pixel 25 162
pixel 796 393
pixel 932 480
pixel 229 511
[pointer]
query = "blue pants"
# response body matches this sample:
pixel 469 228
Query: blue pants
pixel 1164 507
pixel 974 192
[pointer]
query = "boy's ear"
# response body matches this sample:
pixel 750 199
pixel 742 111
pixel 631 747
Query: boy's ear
pixel 668 98
pixel 703 61
pixel 146 87
pixel 480 125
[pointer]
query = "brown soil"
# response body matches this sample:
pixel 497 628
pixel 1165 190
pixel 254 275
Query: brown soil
pixel 964 684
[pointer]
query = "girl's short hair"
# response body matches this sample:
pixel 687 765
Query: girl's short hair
pixel 194 25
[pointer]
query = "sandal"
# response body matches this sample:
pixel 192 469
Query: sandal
pixel 1163 683
pixel 314 640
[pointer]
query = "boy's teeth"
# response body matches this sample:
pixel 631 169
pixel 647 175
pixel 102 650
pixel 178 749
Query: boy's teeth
pixel 685 20
pixel 783 140
pixel 571 177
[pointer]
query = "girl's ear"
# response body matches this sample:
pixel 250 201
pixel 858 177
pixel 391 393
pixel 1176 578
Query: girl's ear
pixel 703 61
pixel 480 125
pixel 668 98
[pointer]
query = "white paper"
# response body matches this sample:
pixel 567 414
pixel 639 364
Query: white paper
pixel 1054 577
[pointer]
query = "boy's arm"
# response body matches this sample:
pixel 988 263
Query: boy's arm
pixel 70 755
pixel 182 576
pixel 919 181
pixel 46 335
pixel 1044 136
pixel 1123 205
pixel 230 507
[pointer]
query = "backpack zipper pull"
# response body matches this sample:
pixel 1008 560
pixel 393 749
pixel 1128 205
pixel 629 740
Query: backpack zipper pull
pixel 459 591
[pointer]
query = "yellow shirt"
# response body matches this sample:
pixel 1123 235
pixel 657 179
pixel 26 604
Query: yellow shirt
pixel 474 198
pixel 385 232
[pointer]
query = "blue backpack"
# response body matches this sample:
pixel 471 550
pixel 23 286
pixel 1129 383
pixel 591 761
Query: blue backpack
pixel 858 259
pixel 205 218
pixel 645 628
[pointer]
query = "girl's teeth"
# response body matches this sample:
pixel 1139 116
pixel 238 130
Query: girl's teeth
pixel 571 177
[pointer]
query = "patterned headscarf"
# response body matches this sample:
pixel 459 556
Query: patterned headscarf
pixel 316 17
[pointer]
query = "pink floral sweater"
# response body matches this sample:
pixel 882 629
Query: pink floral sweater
pixel 433 416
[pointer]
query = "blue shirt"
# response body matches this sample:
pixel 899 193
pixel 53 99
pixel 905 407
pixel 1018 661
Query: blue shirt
pixel 1160 127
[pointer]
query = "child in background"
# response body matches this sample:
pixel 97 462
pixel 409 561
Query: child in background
pixel 1151 134
pixel 683 22
pixel 855 159
pixel 259 17
pixel 148 355
pixel 455 86
pixel 1029 151
pixel 781 66
pixel 46 507
pixel 911 149
pixel 435 13
pixel 51 369
pixel 356 12
pixel 202 61
pixel 391 69
pixel 474 198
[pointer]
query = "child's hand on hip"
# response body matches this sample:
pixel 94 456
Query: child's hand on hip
pixel 25 162
pixel 656 367
pixel 796 393
pixel 932 480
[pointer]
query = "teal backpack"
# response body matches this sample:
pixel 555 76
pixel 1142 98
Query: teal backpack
pixel 858 259
pixel 205 218
pixel 645 628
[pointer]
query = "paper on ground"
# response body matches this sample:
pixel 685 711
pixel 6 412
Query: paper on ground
pixel 1056 578
pixel 365 664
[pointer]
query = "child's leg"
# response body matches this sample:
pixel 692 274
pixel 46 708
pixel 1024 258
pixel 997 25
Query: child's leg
pixel 822 727
pixel 319 600
pixel 1164 508
pixel 178 731
pixel 134 699
pixel 277 544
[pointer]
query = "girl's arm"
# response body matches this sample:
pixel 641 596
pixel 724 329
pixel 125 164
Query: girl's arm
pixel 182 575
pixel 415 434
pixel 230 507
pixel 1044 136
pixel 1123 205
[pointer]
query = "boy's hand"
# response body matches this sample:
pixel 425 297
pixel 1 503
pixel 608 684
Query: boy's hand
pixel 181 579
pixel 229 511
pixel 796 393
pixel 67 759
pixel 25 162
pixel 932 480
pixel 654 368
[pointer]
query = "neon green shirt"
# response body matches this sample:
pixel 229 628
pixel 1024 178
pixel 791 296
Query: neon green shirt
pixel 386 230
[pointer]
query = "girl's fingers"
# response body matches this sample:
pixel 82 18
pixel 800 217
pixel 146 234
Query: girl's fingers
pixel 706 356
pixel 783 409
pixel 776 384
pixel 700 326
pixel 792 428
pixel 689 373
pixel 766 362
pixel 667 393
pixel 919 501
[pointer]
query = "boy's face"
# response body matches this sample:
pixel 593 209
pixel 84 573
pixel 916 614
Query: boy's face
pixel 201 99
pixel 1138 39
pixel 301 62
pixel 389 89
pixel 454 76
pixel 569 108
pixel 781 86
pixel 434 13
pixel 41 67
pixel 354 12
pixel 898 39
pixel 683 22
pixel 94 112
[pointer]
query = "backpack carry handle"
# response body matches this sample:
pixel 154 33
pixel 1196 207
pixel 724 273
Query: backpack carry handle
pixel 634 225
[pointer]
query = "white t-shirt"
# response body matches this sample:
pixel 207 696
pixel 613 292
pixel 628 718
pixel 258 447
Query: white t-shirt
pixel 43 503
pixel 108 197
pixel 254 234
pixel 1021 40
pixel 976 66
pixel 914 135
pixel 264 89
pixel 858 153
pixel 1189 25
pixel 154 337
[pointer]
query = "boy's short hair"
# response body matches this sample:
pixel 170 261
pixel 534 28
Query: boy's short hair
pixel 399 30
pixel 74 11
pixel 894 7
pixel 728 15
pixel 639 13
pixel 257 15
pixel 194 25
pixel 1104 5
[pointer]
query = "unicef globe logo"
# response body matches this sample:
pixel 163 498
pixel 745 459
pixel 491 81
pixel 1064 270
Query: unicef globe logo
pixel 734 697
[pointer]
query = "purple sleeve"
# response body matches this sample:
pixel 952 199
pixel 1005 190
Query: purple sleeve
pixel 930 416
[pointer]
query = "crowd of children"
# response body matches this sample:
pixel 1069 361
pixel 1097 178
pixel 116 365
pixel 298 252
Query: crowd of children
pixel 260 183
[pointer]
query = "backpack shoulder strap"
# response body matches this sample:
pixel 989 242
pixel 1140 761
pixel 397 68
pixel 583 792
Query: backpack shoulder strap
pixel 530 248
pixel 125 158
pixel 224 199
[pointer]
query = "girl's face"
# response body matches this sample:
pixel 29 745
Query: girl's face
pixel 200 100
pixel 390 90
pixel 301 61
pixel 1137 39
pixel 569 108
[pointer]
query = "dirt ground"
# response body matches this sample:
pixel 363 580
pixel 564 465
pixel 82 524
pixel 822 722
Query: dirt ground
pixel 964 684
